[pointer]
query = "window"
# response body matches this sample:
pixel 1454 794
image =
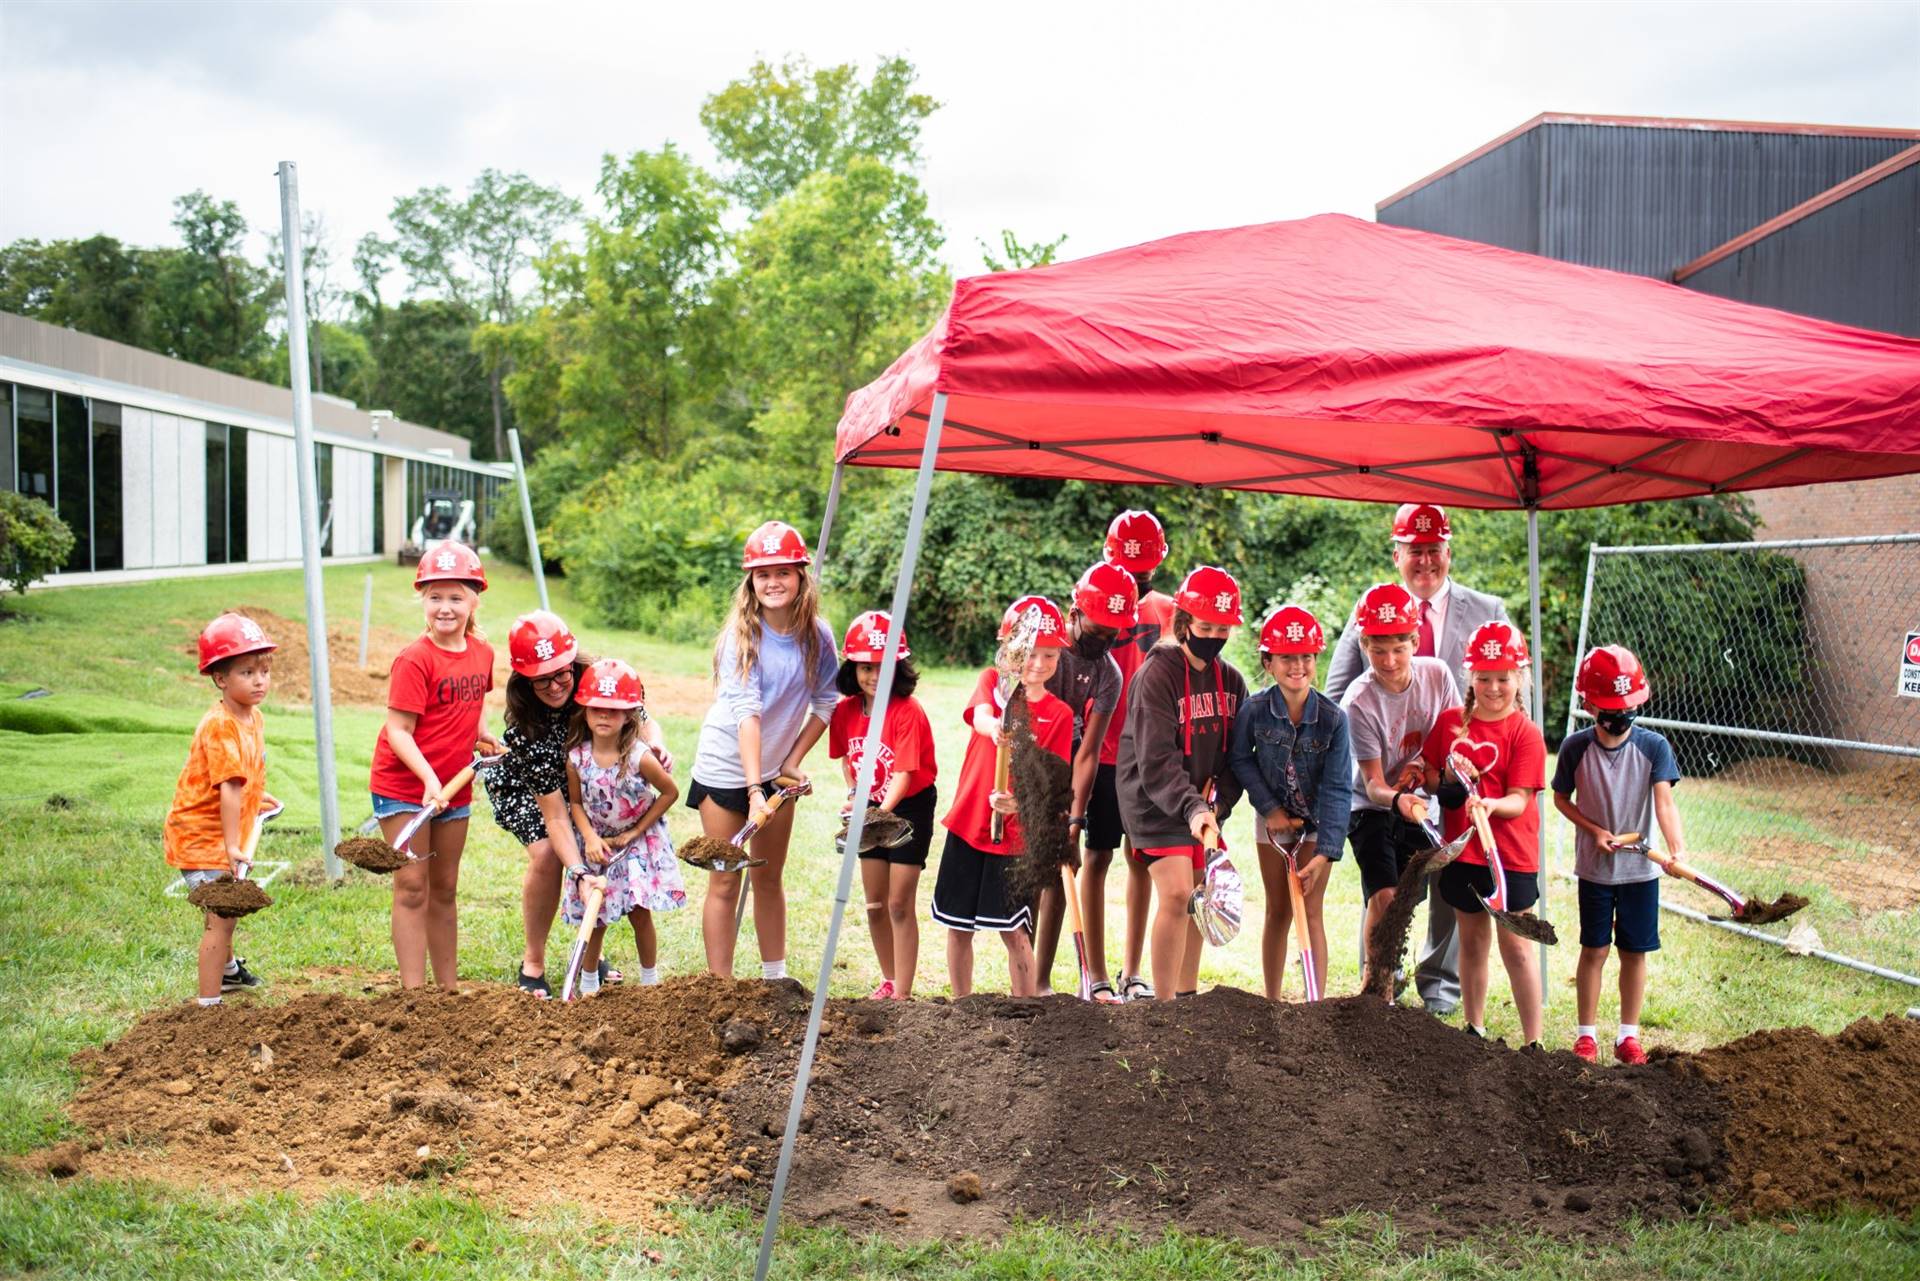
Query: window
pixel 73 477
pixel 379 509
pixel 236 494
pixel 323 499
pixel 217 493
pixel 33 411
pixel 108 550
pixel 6 436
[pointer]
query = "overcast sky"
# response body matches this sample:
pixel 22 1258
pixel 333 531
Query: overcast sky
pixel 1112 123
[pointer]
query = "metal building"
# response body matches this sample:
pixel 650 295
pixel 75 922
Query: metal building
pixel 161 467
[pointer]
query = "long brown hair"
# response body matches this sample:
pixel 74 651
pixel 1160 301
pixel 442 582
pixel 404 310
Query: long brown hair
pixel 525 711
pixel 578 733
pixel 744 623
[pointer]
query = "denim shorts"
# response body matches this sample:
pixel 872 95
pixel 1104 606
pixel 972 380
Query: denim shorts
pixel 387 807
pixel 195 877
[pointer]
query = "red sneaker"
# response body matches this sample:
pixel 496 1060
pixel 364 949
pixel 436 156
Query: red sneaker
pixel 882 993
pixel 1629 1051
pixel 1587 1048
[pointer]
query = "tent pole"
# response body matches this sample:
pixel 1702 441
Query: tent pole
pixel 826 520
pixel 856 822
pixel 1540 714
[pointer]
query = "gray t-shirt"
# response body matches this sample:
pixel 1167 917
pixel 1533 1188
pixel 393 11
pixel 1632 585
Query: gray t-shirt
pixel 1087 685
pixel 1390 728
pixel 1613 786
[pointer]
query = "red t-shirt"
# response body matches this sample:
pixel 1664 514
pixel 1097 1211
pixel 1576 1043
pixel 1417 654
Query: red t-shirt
pixel 905 744
pixel 1129 651
pixel 1510 755
pixel 969 819
pixel 446 691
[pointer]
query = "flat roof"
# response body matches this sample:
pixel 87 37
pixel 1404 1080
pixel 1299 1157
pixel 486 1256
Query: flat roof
pixel 1648 122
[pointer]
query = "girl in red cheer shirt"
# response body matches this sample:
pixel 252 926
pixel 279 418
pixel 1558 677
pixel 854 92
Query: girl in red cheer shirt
pixel 1176 787
pixel 434 707
pixel 972 892
pixel 902 784
pixel 1493 744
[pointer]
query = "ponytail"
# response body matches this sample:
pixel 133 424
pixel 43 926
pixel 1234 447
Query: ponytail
pixel 1466 715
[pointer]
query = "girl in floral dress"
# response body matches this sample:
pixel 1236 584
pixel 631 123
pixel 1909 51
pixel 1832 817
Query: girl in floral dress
pixel 619 794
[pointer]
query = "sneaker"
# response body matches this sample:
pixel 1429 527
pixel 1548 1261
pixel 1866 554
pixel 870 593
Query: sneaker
pixel 244 980
pixel 1629 1051
pixel 882 993
pixel 1587 1048
pixel 1474 1032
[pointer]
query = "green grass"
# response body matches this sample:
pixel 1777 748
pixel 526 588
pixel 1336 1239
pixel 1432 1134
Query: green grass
pixel 88 941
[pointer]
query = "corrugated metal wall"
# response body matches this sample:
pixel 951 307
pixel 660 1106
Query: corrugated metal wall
pixel 1857 261
pixel 1494 199
pixel 1652 200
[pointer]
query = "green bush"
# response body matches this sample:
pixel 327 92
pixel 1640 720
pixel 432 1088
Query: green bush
pixel 34 541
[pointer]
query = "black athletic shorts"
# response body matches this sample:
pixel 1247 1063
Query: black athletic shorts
pixel 1382 845
pixel 1458 881
pixel 917 810
pixel 731 799
pixel 1104 830
pixel 972 893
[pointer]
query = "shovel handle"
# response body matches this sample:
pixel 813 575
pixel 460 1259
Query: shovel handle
pixel 1002 780
pixel 1674 867
pixel 789 788
pixel 1297 895
pixel 589 918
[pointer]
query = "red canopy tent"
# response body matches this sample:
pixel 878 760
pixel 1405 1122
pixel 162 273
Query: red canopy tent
pixel 1344 359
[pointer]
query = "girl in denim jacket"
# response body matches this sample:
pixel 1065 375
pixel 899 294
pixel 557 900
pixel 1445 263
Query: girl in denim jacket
pixel 1290 753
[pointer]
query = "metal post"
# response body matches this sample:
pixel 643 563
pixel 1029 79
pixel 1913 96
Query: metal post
pixel 1540 706
pixel 856 823
pixel 526 514
pixel 1573 683
pixel 826 520
pixel 366 620
pixel 292 254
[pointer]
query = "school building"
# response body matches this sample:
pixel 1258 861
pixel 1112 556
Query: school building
pixel 161 467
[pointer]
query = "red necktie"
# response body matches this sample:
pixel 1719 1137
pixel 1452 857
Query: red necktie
pixel 1426 630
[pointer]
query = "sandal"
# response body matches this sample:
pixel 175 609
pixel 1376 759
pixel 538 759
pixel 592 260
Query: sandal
pixel 537 987
pixel 1135 988
pixel 1103 993
pixel 609 976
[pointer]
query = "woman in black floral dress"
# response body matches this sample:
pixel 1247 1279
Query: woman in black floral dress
pixel 528 788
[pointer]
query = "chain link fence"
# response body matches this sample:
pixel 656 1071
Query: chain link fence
pixel 1776 670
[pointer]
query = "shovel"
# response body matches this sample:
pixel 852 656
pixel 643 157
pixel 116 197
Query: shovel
pixel 1746 911
pixel 1528 927
pixel 589 918
pixel 884 830
pixel 235 896
pixel 1070 886
pixel 1219 901
pixel 372 854
pixel 715 855
pixel 1298 896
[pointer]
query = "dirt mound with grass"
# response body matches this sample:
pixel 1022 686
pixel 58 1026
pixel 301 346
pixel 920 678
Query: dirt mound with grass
pixel 1225 1115
pixel 616 1102
pixel 1816 1122
pixel 1230 1115
pixel 352 683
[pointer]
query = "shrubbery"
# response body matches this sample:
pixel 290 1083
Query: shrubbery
pixel 34 541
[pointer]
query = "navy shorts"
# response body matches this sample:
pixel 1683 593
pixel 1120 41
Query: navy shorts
pixel 1629 913
pixel 1459 880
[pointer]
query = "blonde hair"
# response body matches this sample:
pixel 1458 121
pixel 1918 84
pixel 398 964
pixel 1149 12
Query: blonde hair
pixel 1466 705
pixel 743 625
pixel 578 733
pixel 473 613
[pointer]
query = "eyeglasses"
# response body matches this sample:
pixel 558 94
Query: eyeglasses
pixel 551 679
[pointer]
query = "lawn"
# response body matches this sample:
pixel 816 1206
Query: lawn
pixel 89 940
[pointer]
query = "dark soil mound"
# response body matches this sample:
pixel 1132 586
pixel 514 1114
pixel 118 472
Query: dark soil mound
pixel 1230 1115
pixel 370 854
pixel 615 1102
pixel 228 897
pixel 1819 1121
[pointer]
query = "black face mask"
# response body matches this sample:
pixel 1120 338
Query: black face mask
pixel 1206 648
pixel 1092 647
pixel 1615 723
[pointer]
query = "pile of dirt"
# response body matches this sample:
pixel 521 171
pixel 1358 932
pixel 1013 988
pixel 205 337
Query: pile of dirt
pixel 1231 1115
pixel 615 1102
pixel 1820 1121
pixel 351 682
pixel 229 898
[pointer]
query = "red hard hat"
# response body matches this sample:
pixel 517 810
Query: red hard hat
pixel 1611 678
pixel 775 543
pixel 1387 609
pixel 1053 624
pixel 1135 542
pixel 1421 523
pixel 230 636
pixel 1292 630
pixel 1107 596
pixel 611 683
pixel 451 562
pixel 1211 595
pixel 1496 647
pixel 539 644
pixel 867 638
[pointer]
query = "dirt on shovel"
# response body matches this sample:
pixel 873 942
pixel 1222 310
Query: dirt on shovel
pixel 370 854
pixel 1758 913
pixel 1387 944
pixel 229 898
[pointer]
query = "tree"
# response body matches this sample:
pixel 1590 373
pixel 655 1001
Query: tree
pixel 208 301
pixel 97 285
pixel 1018 257
pixel 476 251
pixel 780 125
pixel 34 541
pixel 424 367
pixel 321 296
